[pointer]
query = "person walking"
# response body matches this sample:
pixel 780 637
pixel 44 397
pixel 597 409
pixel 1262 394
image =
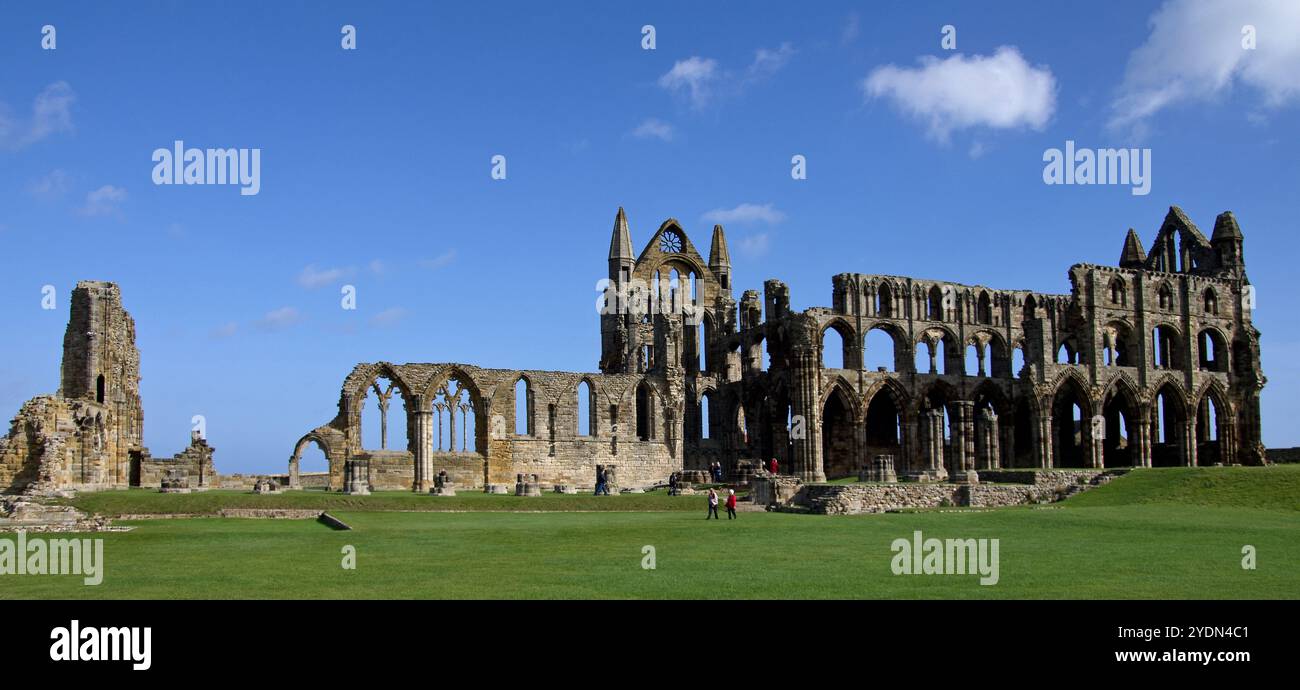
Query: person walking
pixel 600 480
pixel 731 505
pixel 774 466
pixel 713 505
pixel 672 484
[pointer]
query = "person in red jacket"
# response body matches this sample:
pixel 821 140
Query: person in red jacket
pixel 731 504
pixel 774 466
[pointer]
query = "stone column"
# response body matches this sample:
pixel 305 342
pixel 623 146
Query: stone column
pixel 1142 454
pixel 1188 441
pixel 807 450
pixel 963 442
pixel 1042 436
pixel 451 425
pixel 986 440
pixel 423 447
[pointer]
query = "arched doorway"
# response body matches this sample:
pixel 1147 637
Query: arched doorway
pixel 1070 425
pixel 837 436
pixel 1119 443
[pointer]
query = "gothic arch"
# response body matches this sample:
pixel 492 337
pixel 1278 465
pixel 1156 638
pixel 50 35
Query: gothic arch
pixel 848 343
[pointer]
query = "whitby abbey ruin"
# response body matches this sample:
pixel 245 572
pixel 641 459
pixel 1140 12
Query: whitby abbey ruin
pixel 1153 362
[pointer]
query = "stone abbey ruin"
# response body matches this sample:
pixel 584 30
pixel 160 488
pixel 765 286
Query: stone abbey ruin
pixel 1153 362
pixel 89 435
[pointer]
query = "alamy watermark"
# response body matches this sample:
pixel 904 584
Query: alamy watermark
pixel 75 643
pixel 40 556
pixel 1099 166
pixel 179 165
pixel 920 556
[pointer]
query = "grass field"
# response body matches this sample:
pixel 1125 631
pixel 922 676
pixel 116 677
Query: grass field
pixel 1168 533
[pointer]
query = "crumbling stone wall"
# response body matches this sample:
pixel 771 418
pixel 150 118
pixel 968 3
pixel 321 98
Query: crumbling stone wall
pixel 89 435
pixel 194 463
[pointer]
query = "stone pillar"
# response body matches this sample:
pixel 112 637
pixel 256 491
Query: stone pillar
pixel 930 436
pixel 423 449
pixel 1187 442
pixel 963 443
pixel 986 440
pixel 807 450
pixel 294 481
pixel 1096 443
pixel 1042 437
pixel 451 426
pixel 1142 454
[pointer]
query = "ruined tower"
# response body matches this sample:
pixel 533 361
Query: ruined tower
pixel 89 435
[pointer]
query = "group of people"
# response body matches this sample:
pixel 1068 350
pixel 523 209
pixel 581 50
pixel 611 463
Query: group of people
pixel 713 504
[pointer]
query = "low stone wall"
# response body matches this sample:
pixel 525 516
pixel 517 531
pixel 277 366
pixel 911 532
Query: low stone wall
pixel 1044 477
pixel 269 513
pixel 766 489
pixel 1283 454
pixel 853 499
pixel 247 481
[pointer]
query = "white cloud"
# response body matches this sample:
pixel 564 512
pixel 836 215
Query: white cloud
pixel 696 76
pixel 103 201
pixel 745 213
pixel 654 129
pixel 1195 53
pixel 377 267
pixel 51 113
pixel 768 62
pixel 279 319
pixel 441 260
pixel 311 277
pixel 50 186
pixel 754 245
pixel 1001 91
pixel 388 317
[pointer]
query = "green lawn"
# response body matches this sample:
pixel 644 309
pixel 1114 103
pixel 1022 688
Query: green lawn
pixel 1174 533
pixel 150 501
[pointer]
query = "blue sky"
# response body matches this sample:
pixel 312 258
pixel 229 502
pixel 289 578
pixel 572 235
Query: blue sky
pixel 375 172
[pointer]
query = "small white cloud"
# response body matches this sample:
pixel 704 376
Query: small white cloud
pixel 754 245
pixel 311 277
pixel 1001 91
pixel 439 261
pixel 768 62
pixel 279 319
pixel 103 201
pixel 696 76
pixel 51 114
pixel 1195 53
pixel 225 330
pixel 977 149
pixel 377 267
pixel 654 129
pixel 388 317
pixel 50 186
pixel 745 213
